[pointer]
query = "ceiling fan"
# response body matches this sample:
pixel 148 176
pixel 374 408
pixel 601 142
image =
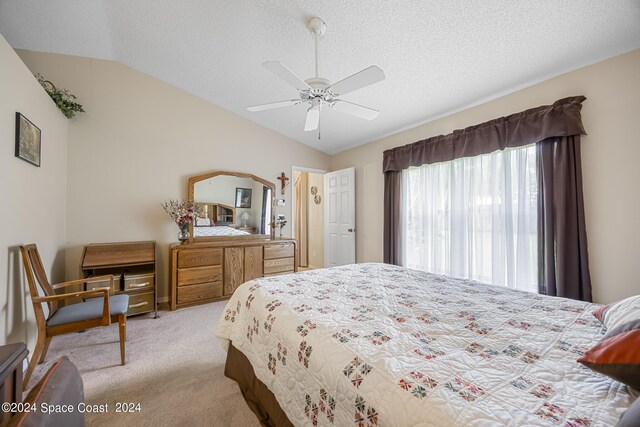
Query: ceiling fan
pixel 319 92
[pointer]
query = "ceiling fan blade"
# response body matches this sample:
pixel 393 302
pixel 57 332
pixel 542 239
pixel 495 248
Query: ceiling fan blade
pixel 355 109
pixel 286 74
pixel 313 119
pixel 363 78
pixel 273 105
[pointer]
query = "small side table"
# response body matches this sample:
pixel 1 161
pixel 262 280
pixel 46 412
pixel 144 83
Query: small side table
pixel 11 362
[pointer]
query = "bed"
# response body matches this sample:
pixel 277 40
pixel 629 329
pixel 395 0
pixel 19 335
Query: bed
pixel 217 230
pixel 375 344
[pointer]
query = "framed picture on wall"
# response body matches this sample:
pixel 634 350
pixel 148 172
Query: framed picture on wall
pixel 243 198
pixel 28 139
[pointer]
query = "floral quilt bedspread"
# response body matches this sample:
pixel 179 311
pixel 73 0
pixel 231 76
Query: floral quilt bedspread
pixel 375 344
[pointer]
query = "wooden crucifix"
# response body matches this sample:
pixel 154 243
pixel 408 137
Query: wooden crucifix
pixel 283 182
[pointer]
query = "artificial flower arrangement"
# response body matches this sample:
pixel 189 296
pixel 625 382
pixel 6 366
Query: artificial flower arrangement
pixel 64 99
pixel 183 214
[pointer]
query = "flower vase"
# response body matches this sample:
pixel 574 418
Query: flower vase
pixel 183 234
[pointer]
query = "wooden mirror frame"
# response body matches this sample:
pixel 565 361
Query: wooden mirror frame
pixel 191 189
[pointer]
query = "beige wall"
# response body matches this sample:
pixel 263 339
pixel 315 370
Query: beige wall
pixel 138 143
pixel 34 200
pixel 141 138
pixel 610 156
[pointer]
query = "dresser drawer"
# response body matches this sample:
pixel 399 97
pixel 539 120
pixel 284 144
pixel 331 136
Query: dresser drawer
pixel 280 250
pixel 199 257
pixel 134 282
pixel 280 265
pixel 140 303
pixel 192 276
pixel 105 283
pixel 197 293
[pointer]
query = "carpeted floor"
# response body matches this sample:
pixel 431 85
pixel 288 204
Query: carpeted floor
pixel 175 370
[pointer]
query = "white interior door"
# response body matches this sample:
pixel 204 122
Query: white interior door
pixel 340 217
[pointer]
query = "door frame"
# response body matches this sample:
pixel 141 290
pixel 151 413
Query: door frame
pixel 295 169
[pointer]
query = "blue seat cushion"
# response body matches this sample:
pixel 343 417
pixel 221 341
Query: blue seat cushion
pixel 90 309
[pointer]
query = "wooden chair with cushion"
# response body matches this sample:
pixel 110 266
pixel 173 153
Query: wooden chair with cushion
pixel 98 311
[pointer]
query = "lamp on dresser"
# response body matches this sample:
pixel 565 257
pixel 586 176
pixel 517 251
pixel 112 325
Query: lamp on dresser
pixel 244 217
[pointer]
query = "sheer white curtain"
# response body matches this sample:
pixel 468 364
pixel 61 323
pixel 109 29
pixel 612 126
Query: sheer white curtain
pixel 474 218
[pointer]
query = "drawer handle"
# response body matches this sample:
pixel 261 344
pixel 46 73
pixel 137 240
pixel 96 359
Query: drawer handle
pixel 140 304
pixel 139 285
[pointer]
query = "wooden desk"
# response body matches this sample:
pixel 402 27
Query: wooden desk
pixel 11 361
pixel 133 265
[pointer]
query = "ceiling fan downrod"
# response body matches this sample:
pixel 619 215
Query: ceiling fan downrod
pixel 318 27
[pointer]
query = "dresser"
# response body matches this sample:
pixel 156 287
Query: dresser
pixel 208 271
pixel 133 265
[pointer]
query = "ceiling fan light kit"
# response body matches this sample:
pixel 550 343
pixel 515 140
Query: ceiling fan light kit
pixel 318 92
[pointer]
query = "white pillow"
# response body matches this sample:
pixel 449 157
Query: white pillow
pixel 622 312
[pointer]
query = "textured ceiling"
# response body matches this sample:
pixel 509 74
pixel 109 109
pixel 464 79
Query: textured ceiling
pixel 439 56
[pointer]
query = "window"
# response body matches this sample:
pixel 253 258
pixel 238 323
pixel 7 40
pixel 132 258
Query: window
pixel 474 218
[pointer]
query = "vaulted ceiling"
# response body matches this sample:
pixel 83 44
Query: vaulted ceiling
pixel 439 56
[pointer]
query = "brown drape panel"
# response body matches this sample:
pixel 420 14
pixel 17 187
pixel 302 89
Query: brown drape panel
pixel 563 266
pixel 392 252
pixel 564 269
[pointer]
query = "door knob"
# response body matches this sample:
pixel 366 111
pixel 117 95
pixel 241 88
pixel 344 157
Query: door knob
pixel 351 230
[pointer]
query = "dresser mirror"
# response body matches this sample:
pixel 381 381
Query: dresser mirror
pixel 232 205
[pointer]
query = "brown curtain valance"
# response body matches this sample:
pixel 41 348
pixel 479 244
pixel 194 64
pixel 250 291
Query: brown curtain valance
pixel 562 118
